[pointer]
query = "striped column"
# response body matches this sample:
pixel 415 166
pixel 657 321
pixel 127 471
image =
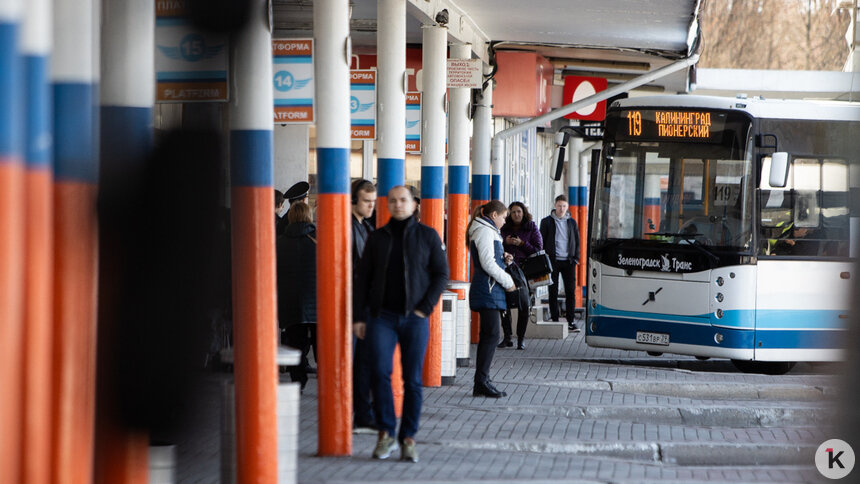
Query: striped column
pixel 11 239
pixel 458 171
pixel 254 315
pixel 434 65
pixel 334 249
pixel 36 46
pixel 482 129
pixel 574 191
pixel 127 93
pixel 582 269
pixel 391 99
pixel 651 215
pixel 74 72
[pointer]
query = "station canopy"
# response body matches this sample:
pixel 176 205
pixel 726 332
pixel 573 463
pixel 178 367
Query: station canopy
pixel 615 39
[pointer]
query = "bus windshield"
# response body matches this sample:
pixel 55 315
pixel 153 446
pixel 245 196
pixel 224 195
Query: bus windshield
pixel 676 180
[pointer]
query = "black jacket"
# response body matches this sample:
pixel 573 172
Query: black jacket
pixel 360 232
pixel 547 231
pixel 425 265
pixel 297 275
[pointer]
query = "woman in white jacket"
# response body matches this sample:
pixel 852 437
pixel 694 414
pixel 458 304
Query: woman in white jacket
pixel 487 291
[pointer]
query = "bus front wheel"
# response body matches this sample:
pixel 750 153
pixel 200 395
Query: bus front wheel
pixel 765 367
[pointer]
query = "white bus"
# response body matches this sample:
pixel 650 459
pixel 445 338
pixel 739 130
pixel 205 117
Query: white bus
pixel 723 228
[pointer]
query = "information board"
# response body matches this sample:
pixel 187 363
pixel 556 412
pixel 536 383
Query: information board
pixel 413 122
pixel 362 103
pixel 293 80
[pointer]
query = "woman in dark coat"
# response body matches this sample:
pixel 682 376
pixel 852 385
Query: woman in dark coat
pixel 297 285
pixel 487 292
pixel 521 239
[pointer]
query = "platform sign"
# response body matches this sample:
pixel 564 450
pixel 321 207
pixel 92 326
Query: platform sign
pixel 362 103
pixel 580 87
pixel 293 80
pixel 190 64
pixel 413 122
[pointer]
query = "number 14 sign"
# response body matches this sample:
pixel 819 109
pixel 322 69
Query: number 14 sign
pixel 293 80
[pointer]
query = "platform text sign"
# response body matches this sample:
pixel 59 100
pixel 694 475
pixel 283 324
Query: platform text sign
pixel 190 64
pixel 413 122
pixel 464 73
pixel 362 104
pixel 293 80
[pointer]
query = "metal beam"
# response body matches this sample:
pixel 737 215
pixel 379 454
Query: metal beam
pixel 461 28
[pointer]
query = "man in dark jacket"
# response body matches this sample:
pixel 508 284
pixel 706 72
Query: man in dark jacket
pixel 561 242
pixel 363 203
pixel 401 276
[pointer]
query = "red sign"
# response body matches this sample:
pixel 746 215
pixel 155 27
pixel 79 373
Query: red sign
pixel 580 87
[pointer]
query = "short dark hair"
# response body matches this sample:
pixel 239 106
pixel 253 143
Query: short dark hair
pixel 279 198
pixel 561 198
pixel 527 217
pixel 299 212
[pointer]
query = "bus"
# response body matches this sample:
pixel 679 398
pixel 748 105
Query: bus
pixel 724 228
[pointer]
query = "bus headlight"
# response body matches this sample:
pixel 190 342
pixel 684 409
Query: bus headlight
pixel 720 281
pixel 720 297
pixel 719 313
pixel 594 288
pixel 718 337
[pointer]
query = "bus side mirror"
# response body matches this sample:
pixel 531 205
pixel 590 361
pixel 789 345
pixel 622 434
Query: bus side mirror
pixel 778 169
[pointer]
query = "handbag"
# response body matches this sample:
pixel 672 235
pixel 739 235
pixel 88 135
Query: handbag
pixel 537 269
pixel 519 298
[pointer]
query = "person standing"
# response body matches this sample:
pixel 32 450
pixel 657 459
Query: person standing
pixel 297 282
pixel 561 242
pixel 401 277
pixel 363 202
pixel 487 291
pixel 521 239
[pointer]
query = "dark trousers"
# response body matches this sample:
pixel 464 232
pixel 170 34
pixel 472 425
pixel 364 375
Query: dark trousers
pixel 568 274
pixel 487 340
pixel 383 334
pixel 300 337
pixel 361 385
pixel 522 323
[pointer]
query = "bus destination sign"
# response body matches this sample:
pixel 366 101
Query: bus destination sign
pixel 672 125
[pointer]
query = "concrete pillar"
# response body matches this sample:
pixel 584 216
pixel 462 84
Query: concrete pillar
pixel 434 65
pixel 458 171
pixel 11 238
pixel 251 176
pixel 292 144
pixel 74 72
pixel 482 129
pixel 38 239
pixel 127 95
pixel 334 249
pixel 391 101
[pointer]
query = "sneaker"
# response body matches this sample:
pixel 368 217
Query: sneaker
pixel 408 452
pixel 573 328
pixel 384 447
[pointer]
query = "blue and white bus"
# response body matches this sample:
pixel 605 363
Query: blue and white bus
pixel 723 228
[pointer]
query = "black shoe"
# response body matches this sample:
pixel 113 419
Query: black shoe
pixel 520 345
pixel 486 391
pixel 506 343
pixel 493 388
pixel 572 327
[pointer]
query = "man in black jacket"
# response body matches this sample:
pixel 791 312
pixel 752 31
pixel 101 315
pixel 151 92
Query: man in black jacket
pixel 401 276
pixel 363 202
pixel 561 243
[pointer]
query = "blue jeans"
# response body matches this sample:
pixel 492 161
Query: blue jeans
pixel 383 334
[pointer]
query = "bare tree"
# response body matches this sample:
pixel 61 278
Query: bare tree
pixel 773 34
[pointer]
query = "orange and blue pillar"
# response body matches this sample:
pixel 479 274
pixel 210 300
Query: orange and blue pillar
pixel 38 245
pixel 391 135
pixel 127 92
pixel 482 129
pixel 651 210
pixel 254 282
pixel 74 72
pixel 577 197
pixel 458 172
pixel 11 239
pixel 334 230
pixel 434 65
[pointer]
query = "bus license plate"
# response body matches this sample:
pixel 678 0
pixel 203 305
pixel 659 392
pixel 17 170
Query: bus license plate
pixel 652 338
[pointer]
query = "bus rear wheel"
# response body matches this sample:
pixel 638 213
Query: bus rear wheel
pixel 764 367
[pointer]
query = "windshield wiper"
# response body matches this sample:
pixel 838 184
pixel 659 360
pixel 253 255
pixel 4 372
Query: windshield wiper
pixel 606 245
pixel 690 238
